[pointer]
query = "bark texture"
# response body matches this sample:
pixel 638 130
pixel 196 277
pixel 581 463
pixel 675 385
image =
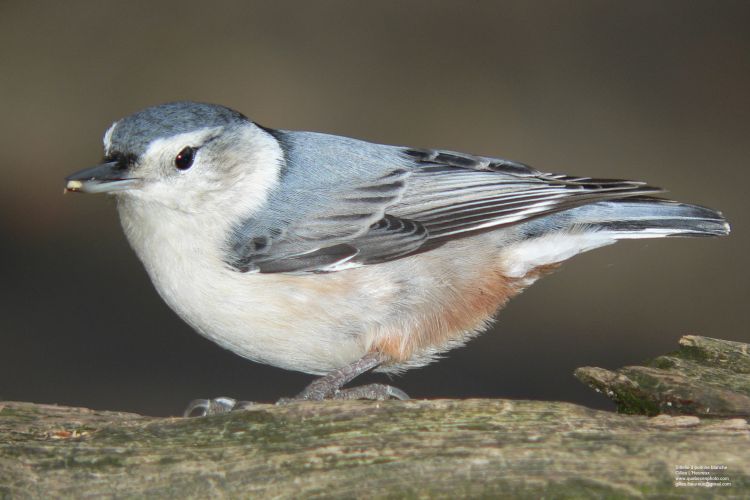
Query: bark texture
pixel 363 449
pixel 705 377
pixel 420 449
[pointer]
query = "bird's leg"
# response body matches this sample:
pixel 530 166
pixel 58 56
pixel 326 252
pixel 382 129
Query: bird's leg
pixel 326 387
pixel 330 386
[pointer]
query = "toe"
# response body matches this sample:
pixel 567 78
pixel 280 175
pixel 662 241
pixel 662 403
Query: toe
pixel 377 392
pixel 206 407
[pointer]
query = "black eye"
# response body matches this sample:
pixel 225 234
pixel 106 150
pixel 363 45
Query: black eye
pixel 184 160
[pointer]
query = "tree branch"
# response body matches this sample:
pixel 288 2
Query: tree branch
pixel 705 377
pixel 442 448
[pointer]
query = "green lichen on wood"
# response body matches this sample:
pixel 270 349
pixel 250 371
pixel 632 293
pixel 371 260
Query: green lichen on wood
pixel 404 449
pixel 731 356
pixel 705 377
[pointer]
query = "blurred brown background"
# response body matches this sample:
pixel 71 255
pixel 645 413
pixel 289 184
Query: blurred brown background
pixel 646 90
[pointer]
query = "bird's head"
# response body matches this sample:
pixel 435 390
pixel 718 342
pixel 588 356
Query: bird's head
pixel 184 155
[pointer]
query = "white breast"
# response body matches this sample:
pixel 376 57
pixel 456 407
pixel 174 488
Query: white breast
pixel 311 323
pixel 292 322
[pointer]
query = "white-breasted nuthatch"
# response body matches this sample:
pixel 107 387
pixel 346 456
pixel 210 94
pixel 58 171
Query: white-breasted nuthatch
pixel 334 256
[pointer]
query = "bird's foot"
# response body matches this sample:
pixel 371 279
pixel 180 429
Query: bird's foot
pixel 324 388
pixel 376 392
pixel 330 386
pixel 207 407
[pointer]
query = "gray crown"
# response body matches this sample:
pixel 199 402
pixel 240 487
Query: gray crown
pixel 133 134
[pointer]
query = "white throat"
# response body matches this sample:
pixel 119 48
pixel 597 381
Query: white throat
pixel 170 241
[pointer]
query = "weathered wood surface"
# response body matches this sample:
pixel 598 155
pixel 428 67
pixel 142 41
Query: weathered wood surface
pixel 440 448
pixel 705 377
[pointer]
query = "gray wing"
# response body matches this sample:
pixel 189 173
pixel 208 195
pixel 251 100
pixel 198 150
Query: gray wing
pixel 331 230
pixel 328 208
pixel 405 201
pixel 454 195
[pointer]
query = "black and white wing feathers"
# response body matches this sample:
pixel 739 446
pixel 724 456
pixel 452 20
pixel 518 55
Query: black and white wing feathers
pixel 321 228
pixel 415 202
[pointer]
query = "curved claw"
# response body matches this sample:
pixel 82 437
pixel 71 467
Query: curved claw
pixel 206 407
pixel 396 393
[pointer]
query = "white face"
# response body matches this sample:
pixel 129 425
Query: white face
pixel 179 167
pixel 228 168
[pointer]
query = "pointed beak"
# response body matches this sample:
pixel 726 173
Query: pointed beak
pixel 105 178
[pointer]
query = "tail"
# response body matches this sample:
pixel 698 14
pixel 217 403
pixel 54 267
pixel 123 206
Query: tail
pixel 558 237
pixel 647 217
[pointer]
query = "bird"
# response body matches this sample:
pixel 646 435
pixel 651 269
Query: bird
pixel 334 256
